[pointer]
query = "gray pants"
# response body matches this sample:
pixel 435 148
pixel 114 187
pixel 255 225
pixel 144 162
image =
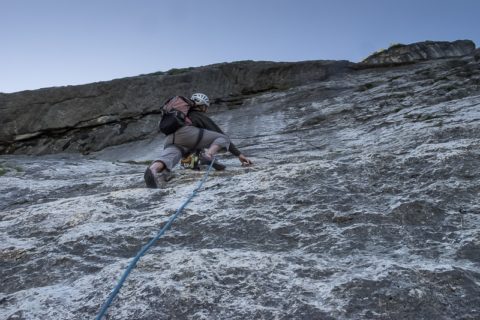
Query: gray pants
pixel 185 139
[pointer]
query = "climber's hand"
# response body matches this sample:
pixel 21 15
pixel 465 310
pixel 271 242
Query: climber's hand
pixel 244 160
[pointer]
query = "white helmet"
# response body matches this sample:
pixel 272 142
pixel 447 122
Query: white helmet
pixel 200 99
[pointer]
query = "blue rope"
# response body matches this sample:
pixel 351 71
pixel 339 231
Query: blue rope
pixel 133 263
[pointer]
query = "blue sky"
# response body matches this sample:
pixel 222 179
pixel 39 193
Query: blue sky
pixel 46 43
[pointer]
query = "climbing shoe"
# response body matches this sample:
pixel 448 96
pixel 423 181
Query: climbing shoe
pixel 207 160
pixel 157 180
pixel 149 179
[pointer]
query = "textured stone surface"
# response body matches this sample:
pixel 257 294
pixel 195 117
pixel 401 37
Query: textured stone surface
pixel 363 204
pixel 427 50
pixel 93 116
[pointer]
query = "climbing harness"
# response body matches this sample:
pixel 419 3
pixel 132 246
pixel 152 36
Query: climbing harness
pixel 192 161
pixel 135 260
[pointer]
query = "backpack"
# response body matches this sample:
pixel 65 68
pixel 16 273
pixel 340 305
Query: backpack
pixel 175 114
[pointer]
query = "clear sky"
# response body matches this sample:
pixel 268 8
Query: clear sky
pixel 46 43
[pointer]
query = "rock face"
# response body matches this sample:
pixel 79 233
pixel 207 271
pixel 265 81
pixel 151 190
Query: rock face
pixel 362 204
pixel 427 50
pixel 91 117
pixel 94 116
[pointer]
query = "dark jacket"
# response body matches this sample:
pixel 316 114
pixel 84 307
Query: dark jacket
pixel 201 120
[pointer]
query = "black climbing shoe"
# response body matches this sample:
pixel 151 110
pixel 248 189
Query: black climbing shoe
pixel 204 159
pixel 157 180
pixel 149 179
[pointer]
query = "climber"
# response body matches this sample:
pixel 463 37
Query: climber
pixel 203 133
